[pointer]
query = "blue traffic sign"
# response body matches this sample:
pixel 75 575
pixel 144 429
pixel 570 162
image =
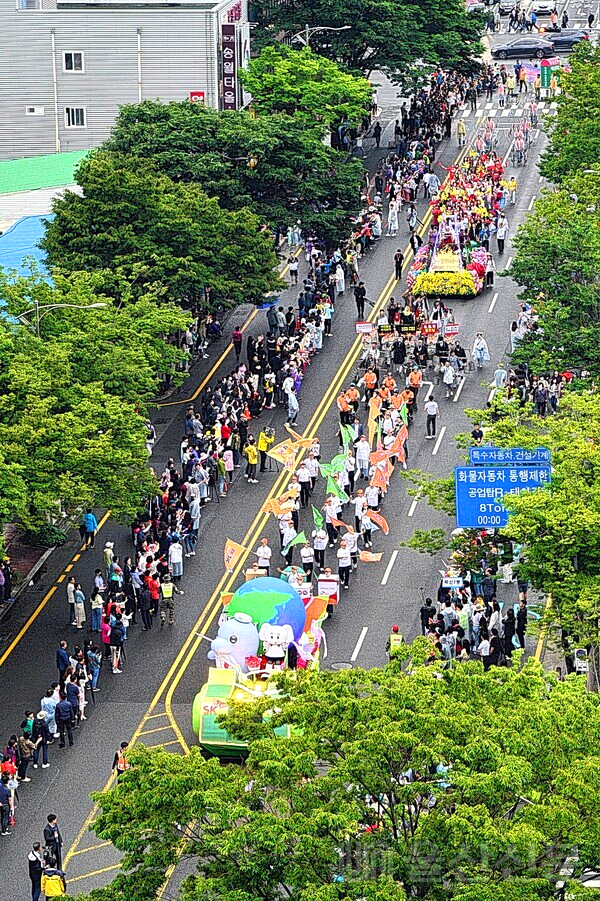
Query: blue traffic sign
pixel 516 455
pixel 480 489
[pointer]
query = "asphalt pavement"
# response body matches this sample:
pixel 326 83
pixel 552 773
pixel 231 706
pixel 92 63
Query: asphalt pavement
pixel 151 700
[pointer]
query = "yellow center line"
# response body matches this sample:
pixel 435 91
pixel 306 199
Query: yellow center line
pixel 158 729
pixel 165 745
pixel 114 866
pixel 91 848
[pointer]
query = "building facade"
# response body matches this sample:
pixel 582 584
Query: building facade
pixel 67 65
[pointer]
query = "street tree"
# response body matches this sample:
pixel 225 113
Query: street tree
pixel 273 165
pixel 379 34
pixel 303 84
pixel 557 262
pixel 558 527
pixel 575 130
pixel 127 348
pixel 138 226
pixel 426 783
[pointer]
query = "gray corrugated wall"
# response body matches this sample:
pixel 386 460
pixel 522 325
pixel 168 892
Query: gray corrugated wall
pixel 177 57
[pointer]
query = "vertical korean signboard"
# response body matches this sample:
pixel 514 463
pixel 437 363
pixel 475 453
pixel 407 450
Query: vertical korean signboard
pixel 229 63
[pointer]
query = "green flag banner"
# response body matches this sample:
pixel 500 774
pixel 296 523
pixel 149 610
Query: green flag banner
pixel 338 462
pixel 334 488
pixel 347 436
pixel 299 539
pixel 404 414
pixel 317 519
pixel 326 469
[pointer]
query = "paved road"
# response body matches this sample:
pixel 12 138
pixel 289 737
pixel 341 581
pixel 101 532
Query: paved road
pixel 151 700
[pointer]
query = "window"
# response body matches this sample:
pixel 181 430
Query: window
pixel 73 61
pixel 34 110
pixel 75 117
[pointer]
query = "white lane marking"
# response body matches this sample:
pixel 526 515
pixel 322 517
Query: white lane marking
pixel 493 303
pixel 439 441
pixel 537 134
pixel 429 392
pixel 491 395
pixel 508 265
pixel 389 568
pixel 531 202
pixel 458 390
pixel 413 506
pixel 359 644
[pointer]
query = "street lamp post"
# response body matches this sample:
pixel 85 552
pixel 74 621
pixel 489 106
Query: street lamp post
pixel 40 310
pixel 303 37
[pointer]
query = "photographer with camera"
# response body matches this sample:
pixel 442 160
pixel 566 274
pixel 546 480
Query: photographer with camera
pixel 265 440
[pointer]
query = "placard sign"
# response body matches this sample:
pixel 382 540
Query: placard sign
pixel 197 97
pixel 364 328
pixel 329 587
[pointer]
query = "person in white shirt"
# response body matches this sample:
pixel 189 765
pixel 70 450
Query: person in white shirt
pixel 360 505
pixel 288 534
pixel 284 522
pixel 331 511
pixel 372 497
pixel 432 411
pixel 319 537
pixel 307 557
pixel 303 474
pixel 264 554
pixel 363 449
pixel 312 464
pixel 350 467
pixel 366 529
pixel 344 564
pixel 351 539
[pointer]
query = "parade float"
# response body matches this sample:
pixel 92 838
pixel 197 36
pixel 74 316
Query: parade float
pixel 266 627
pixel 452 264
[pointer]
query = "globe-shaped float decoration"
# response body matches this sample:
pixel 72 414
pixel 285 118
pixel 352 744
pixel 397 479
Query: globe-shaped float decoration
pixel 269 600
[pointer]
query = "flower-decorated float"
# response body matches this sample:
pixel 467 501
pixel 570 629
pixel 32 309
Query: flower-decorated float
pixel 453 262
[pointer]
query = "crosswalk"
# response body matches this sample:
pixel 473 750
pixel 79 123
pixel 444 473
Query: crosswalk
pixel 514 112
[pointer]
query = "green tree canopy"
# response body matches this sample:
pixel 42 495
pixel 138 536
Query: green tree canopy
pixel 138 226
pixel 452 785
pixel 72 402
pixel 575 130
pixel 384 35
pixel 296 176
pixel 303 84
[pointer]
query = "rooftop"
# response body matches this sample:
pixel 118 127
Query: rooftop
pixel 52 171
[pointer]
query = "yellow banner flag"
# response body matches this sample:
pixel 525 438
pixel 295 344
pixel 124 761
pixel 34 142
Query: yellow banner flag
pixel 281 451
pixel 232 553
pixel 298 439
pixel 372 427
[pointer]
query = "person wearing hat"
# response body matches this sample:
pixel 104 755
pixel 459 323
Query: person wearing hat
pixel 40 735
pixel 167 591
pixel 108 557
pixel 394 642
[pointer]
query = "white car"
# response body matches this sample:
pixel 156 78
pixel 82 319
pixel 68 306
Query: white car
pixel 542 7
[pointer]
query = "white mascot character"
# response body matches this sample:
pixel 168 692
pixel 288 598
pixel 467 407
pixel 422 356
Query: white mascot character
pixel 275 640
